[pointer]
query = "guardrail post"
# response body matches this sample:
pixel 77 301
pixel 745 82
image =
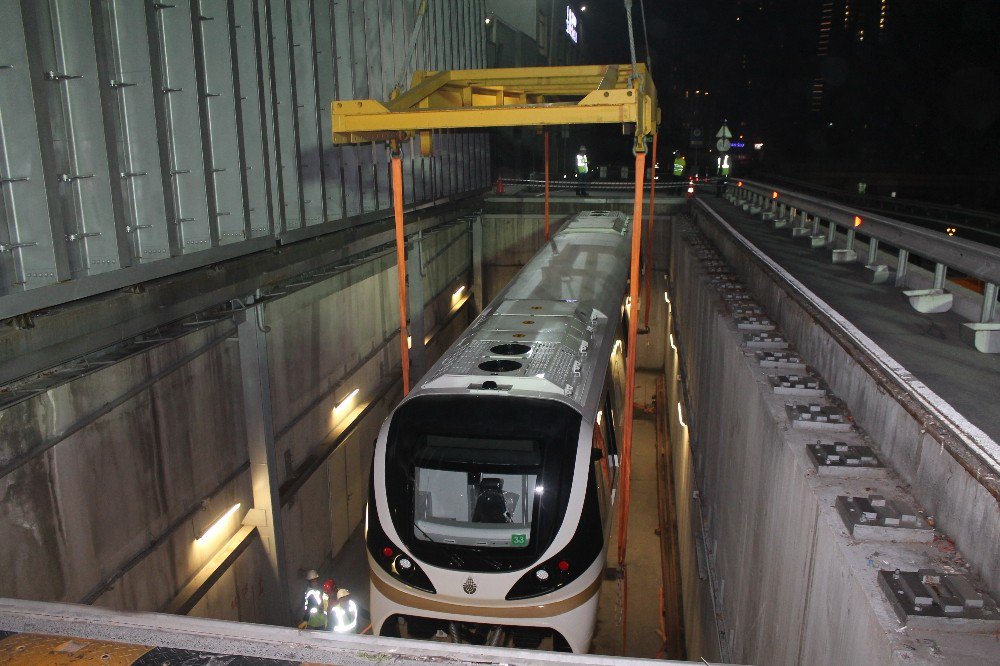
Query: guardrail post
pixel 940 272
pixel 901 265
pixel 989 303
pixel 850 239
pixel 872 251
pixel 831 233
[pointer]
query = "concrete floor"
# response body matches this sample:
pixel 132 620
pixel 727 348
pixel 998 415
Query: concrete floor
pixel 644 577
pixel 928 345
pixel 350 567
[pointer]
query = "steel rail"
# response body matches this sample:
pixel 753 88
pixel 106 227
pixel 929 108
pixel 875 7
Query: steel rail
pixel 969 257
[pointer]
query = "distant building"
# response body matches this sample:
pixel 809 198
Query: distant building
pixel 534 33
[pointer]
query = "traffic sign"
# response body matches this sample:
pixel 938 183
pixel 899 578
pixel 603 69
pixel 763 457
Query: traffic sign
pixel 724 133
pixel 723 145
pixel 696 138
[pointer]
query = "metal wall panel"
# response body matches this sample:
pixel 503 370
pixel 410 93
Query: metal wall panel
pixel 63 65
pixel 28 256
pixel 130 125
pixel 137 133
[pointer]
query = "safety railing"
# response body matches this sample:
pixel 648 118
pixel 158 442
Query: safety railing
pixel 947 253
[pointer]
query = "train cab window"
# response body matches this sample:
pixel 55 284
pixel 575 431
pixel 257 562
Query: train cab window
pixel 475 491
pixel 480 482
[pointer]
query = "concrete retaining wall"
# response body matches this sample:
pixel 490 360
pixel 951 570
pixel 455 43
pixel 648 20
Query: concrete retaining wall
pixel 92 504
pixel 770 573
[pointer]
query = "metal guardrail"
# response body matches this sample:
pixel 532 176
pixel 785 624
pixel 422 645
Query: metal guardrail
pixel 947 252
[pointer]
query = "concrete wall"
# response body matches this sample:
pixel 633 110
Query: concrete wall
pixel 130 489
pixel 770 573
pixel 941 484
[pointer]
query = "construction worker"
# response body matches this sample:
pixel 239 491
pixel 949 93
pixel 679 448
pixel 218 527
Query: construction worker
pixel 317 603
pixel 344 613
pixel 680 164
pixel 582 170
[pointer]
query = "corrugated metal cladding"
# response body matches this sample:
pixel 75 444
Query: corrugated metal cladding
pixel 141 138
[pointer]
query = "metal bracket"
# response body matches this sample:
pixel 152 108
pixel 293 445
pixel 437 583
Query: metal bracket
pixel 10 247
pixel 13 179
pixel 803 385
pixel 87 234
pixel 926 598
pixel 70 177
pixel 875 517
pixel 843 459
pixel 131 174
pixel 781 359
pixel 120 84
pixel 815 416
pixel 764 340
pixel 59 77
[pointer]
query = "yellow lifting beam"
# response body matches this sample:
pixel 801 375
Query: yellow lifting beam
pixel 510 97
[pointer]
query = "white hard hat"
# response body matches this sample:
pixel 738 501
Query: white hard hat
pixel 342 592
pixel 312 574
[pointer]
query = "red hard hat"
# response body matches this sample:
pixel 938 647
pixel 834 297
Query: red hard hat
pixel 329 586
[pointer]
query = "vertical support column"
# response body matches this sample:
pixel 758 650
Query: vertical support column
pixel 415 305
pixel 872 251
pixel 477 263
pixel 816 222
pixel 831 233
pixel 546 185
pixel 989 303
pixel 397 205
pixel 940 273
pixel 803 220
pixel 257 414
pixel 902 266
pixel 850 238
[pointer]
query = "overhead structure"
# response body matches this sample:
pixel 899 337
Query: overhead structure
pixel 508 97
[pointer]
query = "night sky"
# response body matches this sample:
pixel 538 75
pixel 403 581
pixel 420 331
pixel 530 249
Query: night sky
pixel 918 94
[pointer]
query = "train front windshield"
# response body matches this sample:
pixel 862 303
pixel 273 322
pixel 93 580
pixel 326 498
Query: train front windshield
pixel 480 481
pixel 476 491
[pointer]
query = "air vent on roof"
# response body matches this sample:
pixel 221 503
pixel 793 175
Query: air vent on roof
pixel 510 349
pixel 499 365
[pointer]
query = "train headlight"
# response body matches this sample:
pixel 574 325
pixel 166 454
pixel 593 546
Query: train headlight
pixel 542 575
pixel 403 565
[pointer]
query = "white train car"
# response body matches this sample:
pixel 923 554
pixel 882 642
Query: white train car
pixel 493 481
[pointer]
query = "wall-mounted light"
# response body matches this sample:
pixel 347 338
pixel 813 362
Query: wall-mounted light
pixel 350 396
pixel 458 292
pixel 218 522
pixel 666 298
pixel 600 415
pixel 409 342
pixel 857 221
pixel 774 195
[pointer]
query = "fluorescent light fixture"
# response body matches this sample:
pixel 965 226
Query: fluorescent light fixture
pixel 409 342
pixel 458 292
pixel 211 528
pixel 349 397
pixel 666 298
pixel 680 415
pixel 600 415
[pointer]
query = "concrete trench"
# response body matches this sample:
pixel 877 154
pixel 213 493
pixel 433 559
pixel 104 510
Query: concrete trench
pixel 771 575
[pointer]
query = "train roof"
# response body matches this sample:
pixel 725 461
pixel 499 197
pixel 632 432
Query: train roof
pixel 550 331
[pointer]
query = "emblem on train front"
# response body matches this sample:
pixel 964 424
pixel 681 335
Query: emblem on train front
pixel 469 586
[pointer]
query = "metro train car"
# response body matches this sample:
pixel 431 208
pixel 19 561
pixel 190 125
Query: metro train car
pixel 493 481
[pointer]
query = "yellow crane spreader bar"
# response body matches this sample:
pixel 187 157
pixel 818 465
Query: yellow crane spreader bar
pixel 509 97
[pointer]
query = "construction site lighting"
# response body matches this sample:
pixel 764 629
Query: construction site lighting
pixel 350 396
pixel 218 522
